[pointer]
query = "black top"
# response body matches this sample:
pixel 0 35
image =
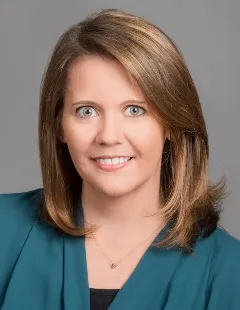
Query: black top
pixel 100 299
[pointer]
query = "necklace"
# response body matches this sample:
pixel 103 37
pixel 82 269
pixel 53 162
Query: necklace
pixel 115 264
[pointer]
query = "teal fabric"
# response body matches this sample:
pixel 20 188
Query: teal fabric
pixel 41 269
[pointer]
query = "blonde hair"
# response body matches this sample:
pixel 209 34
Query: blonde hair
pixel 155 63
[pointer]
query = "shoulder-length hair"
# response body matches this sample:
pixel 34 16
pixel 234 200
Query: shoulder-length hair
pixel 190 203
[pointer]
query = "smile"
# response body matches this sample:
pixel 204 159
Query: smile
pixel 113 161
pixel 112 164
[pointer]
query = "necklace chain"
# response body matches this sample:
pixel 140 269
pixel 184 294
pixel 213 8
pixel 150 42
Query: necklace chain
pixel 115 264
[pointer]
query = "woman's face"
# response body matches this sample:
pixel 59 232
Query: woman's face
pixel 115 122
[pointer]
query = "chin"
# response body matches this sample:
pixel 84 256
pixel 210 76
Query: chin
pixel 113 189
pixel 113 186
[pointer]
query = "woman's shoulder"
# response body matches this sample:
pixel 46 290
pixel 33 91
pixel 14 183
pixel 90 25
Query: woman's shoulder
pixel 18 212
pixel 223 247
pixel 224 237
pixel 20 195
pixel 20 204
pixel 222 253
pixel 226 253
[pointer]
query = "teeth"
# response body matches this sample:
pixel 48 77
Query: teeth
pixel 113 161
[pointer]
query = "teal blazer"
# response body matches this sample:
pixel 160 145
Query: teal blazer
pixel 41 269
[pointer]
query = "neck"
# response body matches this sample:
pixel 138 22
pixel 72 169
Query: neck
pixel 134 209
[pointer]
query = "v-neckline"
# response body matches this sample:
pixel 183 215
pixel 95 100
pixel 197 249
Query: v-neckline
pixel 149 270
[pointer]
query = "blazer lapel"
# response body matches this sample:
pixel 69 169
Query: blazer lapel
pixel 76 293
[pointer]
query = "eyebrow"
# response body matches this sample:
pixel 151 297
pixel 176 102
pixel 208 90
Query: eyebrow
pixel 89 102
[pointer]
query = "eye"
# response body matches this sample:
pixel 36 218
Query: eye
pixel 88 111
pixel 85 111
pixel 134 110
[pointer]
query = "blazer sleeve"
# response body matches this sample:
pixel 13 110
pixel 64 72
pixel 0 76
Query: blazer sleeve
pixel 225 282
pixel 17 216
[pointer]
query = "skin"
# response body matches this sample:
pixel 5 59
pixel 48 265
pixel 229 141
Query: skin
pixel 122 198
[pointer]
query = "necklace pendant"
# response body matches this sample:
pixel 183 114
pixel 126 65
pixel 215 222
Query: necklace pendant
pixel 113 266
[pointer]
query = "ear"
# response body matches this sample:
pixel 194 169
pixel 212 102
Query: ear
pixel 167 135
pixel 60 134
pixel 61 138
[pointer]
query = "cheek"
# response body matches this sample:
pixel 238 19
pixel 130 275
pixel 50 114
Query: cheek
pixel 76 140
pixel 150 141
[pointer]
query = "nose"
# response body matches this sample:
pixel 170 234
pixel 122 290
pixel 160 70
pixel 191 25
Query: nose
pixel 110 131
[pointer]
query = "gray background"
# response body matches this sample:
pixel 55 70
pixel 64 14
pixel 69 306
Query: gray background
pixel 207 32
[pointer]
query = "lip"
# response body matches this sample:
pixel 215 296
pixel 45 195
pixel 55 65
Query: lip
pixel 110 156
pixel 113 167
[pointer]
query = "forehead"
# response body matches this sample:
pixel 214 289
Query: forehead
pixel 102 79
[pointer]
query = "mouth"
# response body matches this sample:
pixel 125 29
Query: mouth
pixel 112 164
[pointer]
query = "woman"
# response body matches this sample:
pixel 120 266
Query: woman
pixel 127 217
